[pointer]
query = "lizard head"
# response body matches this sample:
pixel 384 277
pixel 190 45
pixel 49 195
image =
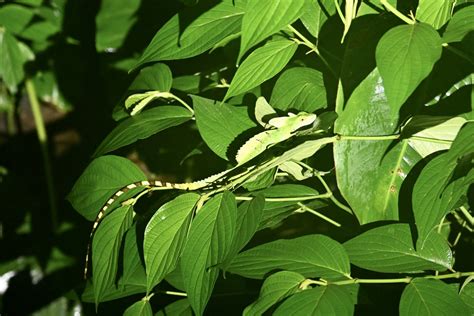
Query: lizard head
pixel 304 119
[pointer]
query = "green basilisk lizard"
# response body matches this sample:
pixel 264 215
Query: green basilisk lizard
pixel 282 128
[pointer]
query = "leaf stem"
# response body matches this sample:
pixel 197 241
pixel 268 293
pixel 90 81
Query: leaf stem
pixel 304 208
pixel 397 13
pixel 43 140
pixel 432 140
pixel 286 199
pixel 174 293
pixel 458 52
pixel 182 102
pixel 466 214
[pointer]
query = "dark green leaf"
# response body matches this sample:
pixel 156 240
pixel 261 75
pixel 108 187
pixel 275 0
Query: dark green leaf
pixel 215 127
pixel 332 300
pixel 143 125
pixel 201 35
pixel 261 181
pixel 316 13
pixel 105 249
pixel 249 215
pixel 177 308
pixel 405 56
pixel 102 178
pixel 390 249
pixel 12 61
pixel 133 269
pixel 165 236
pixel 434 12
pixel 40 31
pixel 261 65
pixel 15 17
pixel 431 297
pixel 460 25
pixel 263 18
pixel 157 77
pixel 311 256
pixel 113 292
pixel 299 89
pixel 467 295
pixel 370 172
pixel 208 245
pixel 286 191
pixel 140 308
pixel 276 287
pixel 47 88
pixel 113 21
pixel 436 191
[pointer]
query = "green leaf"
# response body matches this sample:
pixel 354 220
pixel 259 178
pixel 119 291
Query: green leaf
pixel 331 300
pixel 103 177
pixel 263 18
pixel 286 191
pixel 12 61
pixel 460 25
pixel 432 200
pixel 249 215
pixel 171 42
pixel 467 295
pixel 431 297
pixel 113 292
pixel 276 287
pixel 436 13
pixel 133 269
pixel 261 181
pixel 165 236
pixel 299 89
pixel 47 89
pixel 177 308
pixel 143 125
pixel 15 17
pixel 370 172
pixel 405 55
pixel 140 308
pixel 311 256
pixel 157 77
pixel 105 249
pixel 113 22
pixel 210 238
pixel 390 249
pixel 316 13
pixel 40 31
pixel 215 127
pixel 261 65
pixel 432 127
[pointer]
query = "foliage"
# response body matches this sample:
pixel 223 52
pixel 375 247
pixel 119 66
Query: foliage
pixel 376 189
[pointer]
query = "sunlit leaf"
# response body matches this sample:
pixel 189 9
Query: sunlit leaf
pixel 460 25
pixel 261 65
pixel 311 256
pixel 431 297
pixel 102 178
pixel 434 12
pixel 165 236
pixel 405 56
pixel 140 308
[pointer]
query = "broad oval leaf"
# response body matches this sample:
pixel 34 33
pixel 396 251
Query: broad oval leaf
pixel 165 236
pixel 15 17
pixel 113 21
pixel 432 200
pixel 263 18
pixel 105 249
pixel 177 308
pixel 332 300
pixel 405 56
pixel 431 297
pixel 157 77
pixel 261 65
pixel 12 61
pixel 434 12
pixel 140 308
pixel 102 178
pixel 460 25
pixel 215 127
pixel 199 36
pixel 208 244
pixel 316 13
pixel 370 172
pixel 132 266
pixel 300 89
pixel 276 287
pixel 311 256
pixel 390 249
pixel 143 125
